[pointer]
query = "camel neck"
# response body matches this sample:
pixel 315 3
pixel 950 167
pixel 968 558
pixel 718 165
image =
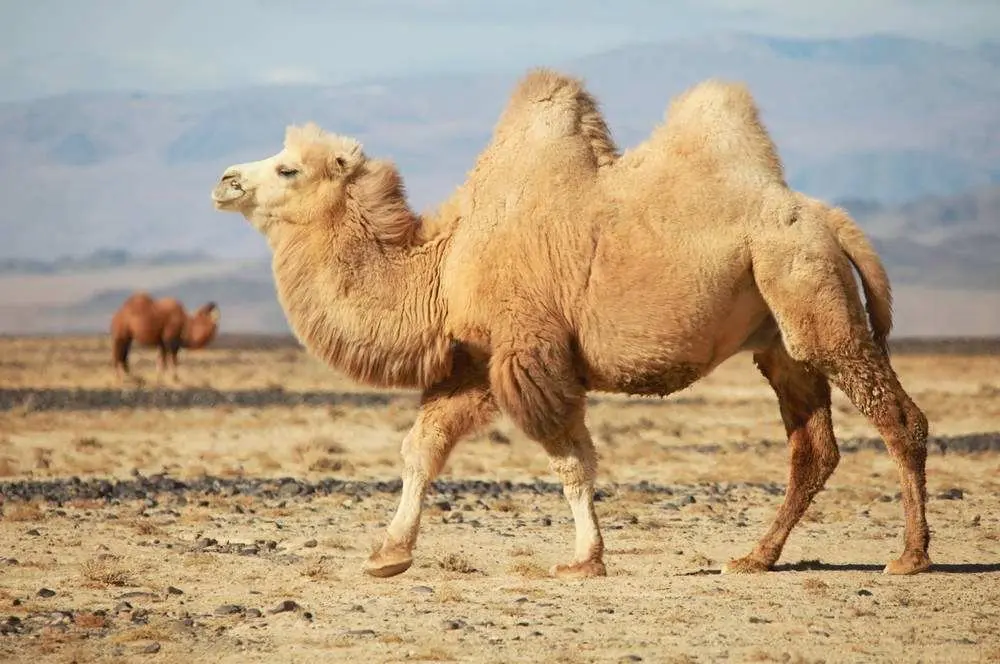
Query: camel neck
pixel 368 309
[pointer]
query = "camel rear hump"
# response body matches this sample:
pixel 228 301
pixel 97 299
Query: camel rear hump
pixel 718 121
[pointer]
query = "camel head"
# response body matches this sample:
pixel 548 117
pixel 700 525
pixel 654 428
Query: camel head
pixel 302 184
pixel 202 326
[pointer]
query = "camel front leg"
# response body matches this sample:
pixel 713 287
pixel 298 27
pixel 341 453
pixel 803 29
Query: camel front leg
pixel 448 412
pixel 536 385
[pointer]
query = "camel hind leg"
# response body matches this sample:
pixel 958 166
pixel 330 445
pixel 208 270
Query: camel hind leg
pixel 120 346
pixel 808 285
pixel 804 401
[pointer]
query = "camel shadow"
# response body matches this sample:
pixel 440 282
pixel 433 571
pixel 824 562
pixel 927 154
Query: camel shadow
pixel 940 568
pixel 817 566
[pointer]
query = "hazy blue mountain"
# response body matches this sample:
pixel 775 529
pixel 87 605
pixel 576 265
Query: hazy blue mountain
pixel 882 119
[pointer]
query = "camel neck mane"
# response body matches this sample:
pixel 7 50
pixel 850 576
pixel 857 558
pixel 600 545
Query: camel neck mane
pixel 361 293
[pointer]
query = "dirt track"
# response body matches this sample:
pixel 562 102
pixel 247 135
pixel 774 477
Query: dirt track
pixel 226 520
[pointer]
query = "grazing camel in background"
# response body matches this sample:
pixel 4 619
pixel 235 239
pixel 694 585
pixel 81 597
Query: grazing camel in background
pixel 162 323
pixel 561 266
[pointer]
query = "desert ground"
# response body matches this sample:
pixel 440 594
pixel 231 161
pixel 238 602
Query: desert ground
pixel 226 518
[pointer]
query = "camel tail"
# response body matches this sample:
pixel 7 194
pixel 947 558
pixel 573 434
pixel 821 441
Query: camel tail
pixel 874 280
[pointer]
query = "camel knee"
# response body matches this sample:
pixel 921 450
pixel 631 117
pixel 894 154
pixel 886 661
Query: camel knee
pixel 576 470
pixel 423 451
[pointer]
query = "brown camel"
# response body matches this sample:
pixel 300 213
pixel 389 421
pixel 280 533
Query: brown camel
pixel 561 266
pixel 162 323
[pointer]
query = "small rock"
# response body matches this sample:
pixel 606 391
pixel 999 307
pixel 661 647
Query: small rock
pixel 864 593
pixel 140 616
pixel 951 494
pixel 630 658
pixel 759 621
pixel 253 613
pixel 228 610
pixel 306 615
pixel 606 610
pixel 423 590
pixel 310 544
pixel 249 551
pixel 121 607
pixel 287 605
pixel 357 608
pixel 443 505
pixel 171 590
pixel 205 542
pixel 13 561
pixel 136 594
pixel 33 532
pixel 46 592
pixel 545 521
pixel 521 600
pixel 453 624
pixel 16 602
pixel 149 648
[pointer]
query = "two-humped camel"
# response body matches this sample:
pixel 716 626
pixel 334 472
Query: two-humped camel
pixel 560 267
pixel 163 323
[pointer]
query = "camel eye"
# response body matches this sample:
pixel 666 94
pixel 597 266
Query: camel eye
pixel 287 172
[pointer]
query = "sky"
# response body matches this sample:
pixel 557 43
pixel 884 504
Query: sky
pixel 51 47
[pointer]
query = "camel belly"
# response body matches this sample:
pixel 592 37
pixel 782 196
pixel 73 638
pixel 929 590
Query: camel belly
pixel 657 324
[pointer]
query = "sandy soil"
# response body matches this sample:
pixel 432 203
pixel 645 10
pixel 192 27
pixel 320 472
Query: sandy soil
pixel 254 521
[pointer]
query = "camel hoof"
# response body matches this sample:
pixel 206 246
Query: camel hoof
pixel 909 563
pixel 384 564
pixel 745 565
pixel 584 570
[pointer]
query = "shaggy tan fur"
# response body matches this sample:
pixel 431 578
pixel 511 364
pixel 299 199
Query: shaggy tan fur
pixel 560 266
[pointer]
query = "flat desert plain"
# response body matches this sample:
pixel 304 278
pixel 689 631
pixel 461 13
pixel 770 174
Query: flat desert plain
pixel 226 518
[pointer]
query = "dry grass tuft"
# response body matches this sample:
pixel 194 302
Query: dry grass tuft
pixel 449 594
pixel 107 571
pixel 506 505
pixel 23 512
pixel 391 639
pixel 90 621
pixel 87 444
pixel 455 562
pixel 432 655
pixel 520 551
pixel 528 570
pixel 145 527
pixel 814 585
pixel 319 569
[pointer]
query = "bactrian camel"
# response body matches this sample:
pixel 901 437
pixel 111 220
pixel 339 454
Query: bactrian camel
pixel 162 323
pixel 561 266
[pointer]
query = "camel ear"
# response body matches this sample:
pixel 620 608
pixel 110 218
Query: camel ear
pixel 212 309
pixel 345 159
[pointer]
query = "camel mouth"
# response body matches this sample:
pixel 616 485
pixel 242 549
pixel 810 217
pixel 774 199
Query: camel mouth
pixel 227 192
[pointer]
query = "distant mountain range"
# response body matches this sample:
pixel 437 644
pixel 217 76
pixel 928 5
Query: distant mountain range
pixel 942 254
pixel 878 118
